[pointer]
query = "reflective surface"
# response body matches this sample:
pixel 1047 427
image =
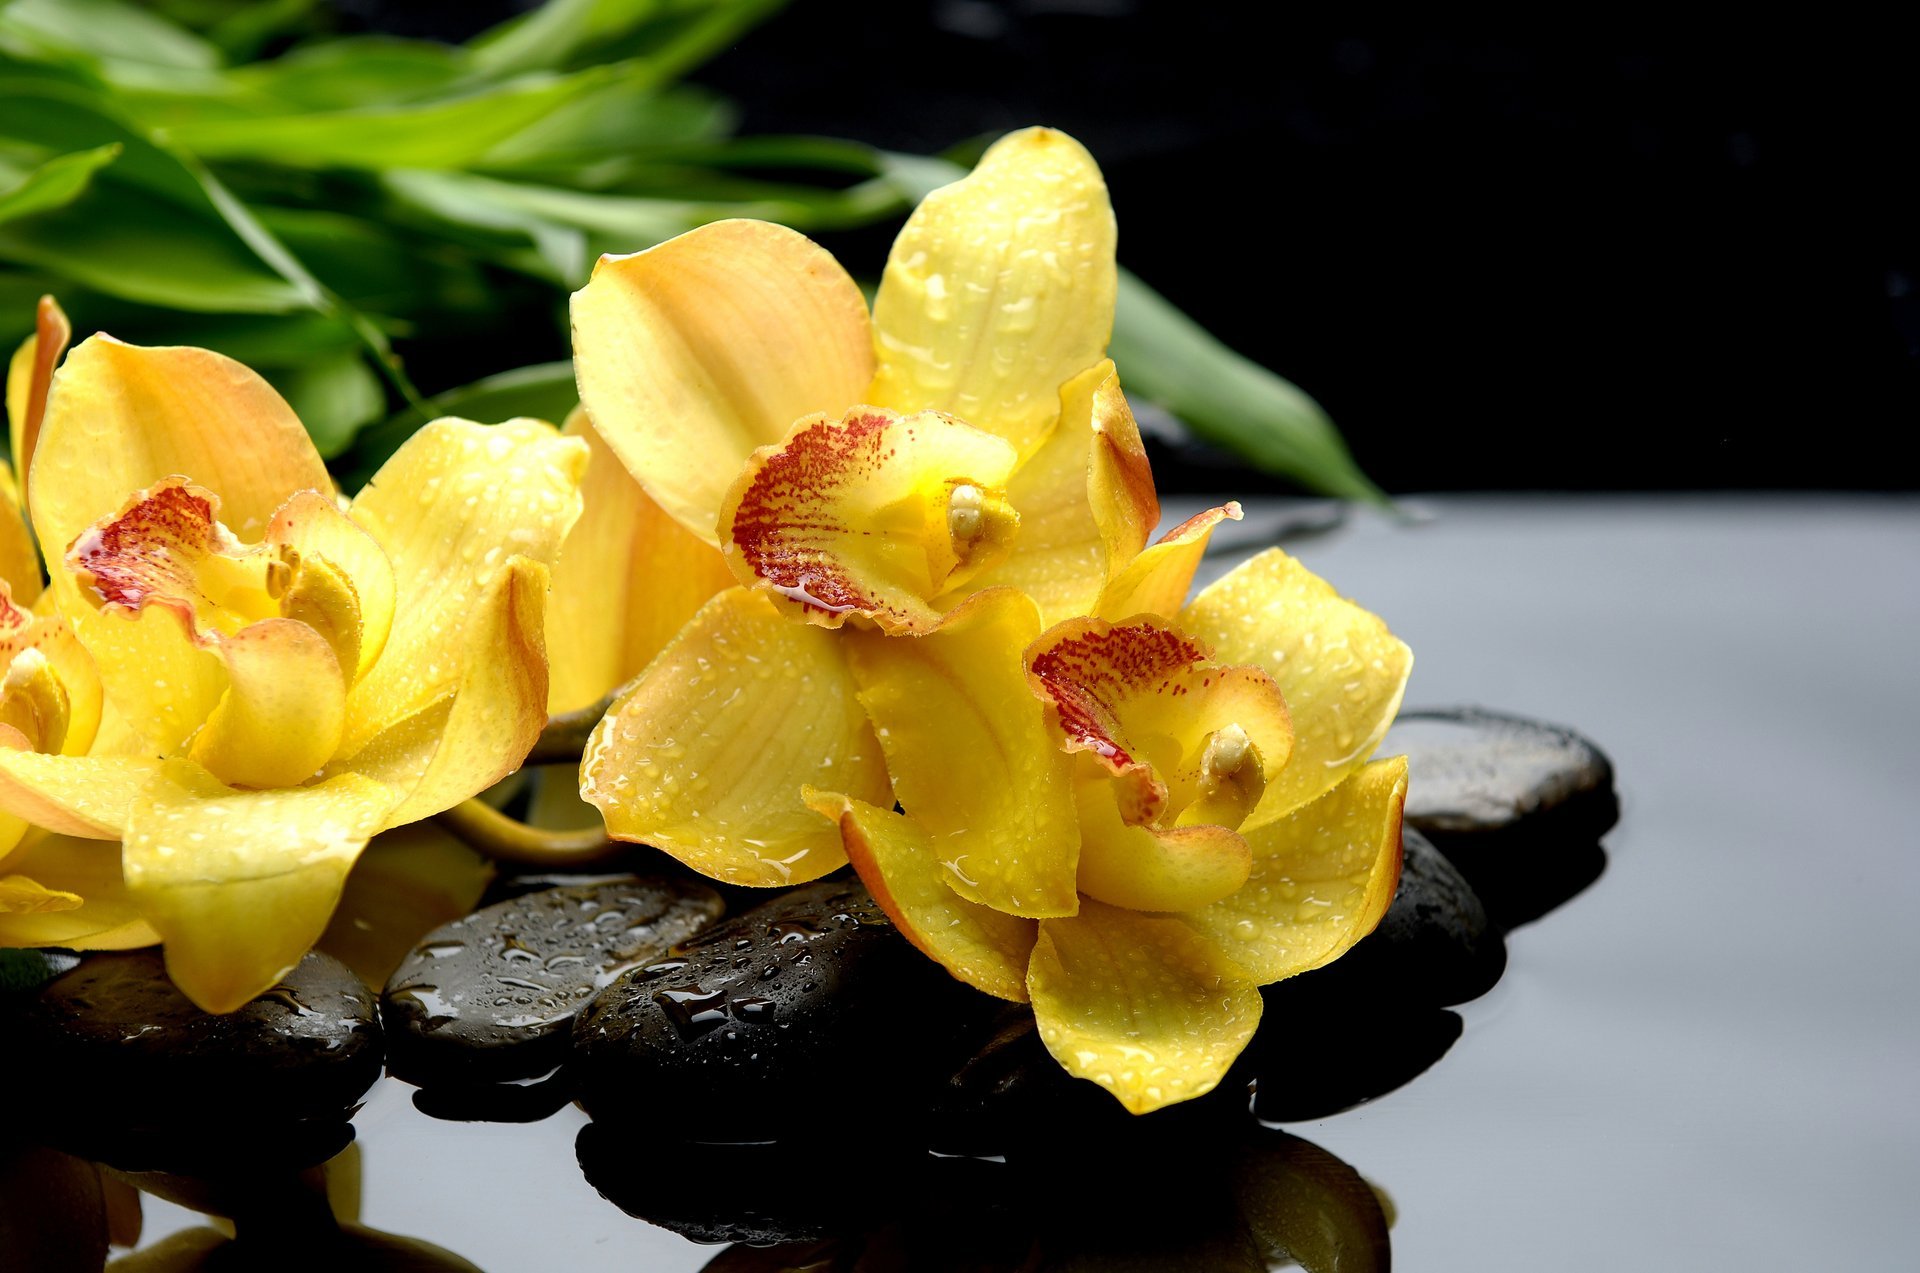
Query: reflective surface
pixel 1703 1061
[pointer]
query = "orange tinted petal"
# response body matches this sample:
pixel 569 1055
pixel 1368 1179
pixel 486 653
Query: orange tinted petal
pixel 693 353
pixel 971 755
pixel 28 378
pixel 1341 671
pixel 863 515
pixel 1323 877
pixel 19 558
pixel 999 290
pixel 898 862
pixel 628 577
pixel 706 757
pixel 1143 1006
pixel 1156 581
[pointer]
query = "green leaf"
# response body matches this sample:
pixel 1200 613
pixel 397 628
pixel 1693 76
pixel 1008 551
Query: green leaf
pixel 544 391
pixel 355 73
pixel 56 183
pixel 333 396
pixel 674 35
pixel 112 37
pixel 1229 400
pixel 444 133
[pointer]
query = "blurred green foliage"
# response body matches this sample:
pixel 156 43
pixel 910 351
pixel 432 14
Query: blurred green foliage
pixel 368 220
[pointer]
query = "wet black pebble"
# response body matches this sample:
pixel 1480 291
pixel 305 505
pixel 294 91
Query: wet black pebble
pixel 122 1063
pixel 772 1021
pixel 1518 805
pixel 1435 946
pixel 491 997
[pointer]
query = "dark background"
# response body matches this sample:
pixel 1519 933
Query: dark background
pixel 1614 256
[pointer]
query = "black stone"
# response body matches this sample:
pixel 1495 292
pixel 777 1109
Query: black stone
pixel 491 997
pixel 125 1069
pixel 1518 805
pixel 766 1022
pixel 1321 1049
pixel 528 1101
pixel 1435 946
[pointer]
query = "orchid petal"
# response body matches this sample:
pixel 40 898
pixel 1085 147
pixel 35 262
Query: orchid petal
pixel 104 917
pixel 453 506
pixel 57 657
pixel 897 859
pixel 1148 702
pixel 1143 1006
pixel 1156 581
pixel 19 557
pixel 29 376
pixel 693 353
pixel 487 718
pixel 705 757
pixel 971 755
pixel 122 417
pixel 284 709
pixel 86 796
pixel 238 883
pixel 1085 501
pixel 1339 668
pixel 1149 869
pixel 873 514
pixel 1323 877
pixel 999 290
pixel 628 577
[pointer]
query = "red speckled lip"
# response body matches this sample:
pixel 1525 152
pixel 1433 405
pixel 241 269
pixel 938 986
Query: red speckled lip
pixel 790 496
pixel 146 552
pixel 1085 667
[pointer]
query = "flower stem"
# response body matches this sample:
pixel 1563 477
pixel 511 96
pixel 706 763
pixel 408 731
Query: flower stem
pixel 480 826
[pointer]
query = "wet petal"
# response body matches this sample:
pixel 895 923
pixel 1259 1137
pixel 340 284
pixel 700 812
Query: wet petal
pixel 705 758
pixel 972 758
pixel 285 707
pixel 1148 869
pixel 1339 668
pixel 28 378
pixel 122 417
pixel 873 514
pixel 629 576
pixel 1145 1007
pixel 1323 876
pixel 693 353
pixel 75 795
pixel 1148 702
pixel 1081 499
pixel 89 870
pixel 490 715
pixel 331 546
pixel 452 507
pixel 999 290
pixel 1156 581
pixel 239 884
pixel 49 688
pixel 897 861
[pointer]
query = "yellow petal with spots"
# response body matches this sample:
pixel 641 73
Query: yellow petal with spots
pixel 629 576
pixel 285 706
pixel 1143 1006
pixel 456 502
pixel 1339 668
pixel 999 290
pixel 871 514
pixel 1147 868
pixel 898 862
pixel 693 353
pixel 972 758
pixel 89 870
pixel 1323 877
pixel 1156 581
pixel 239 884
pixel 75 795
pixel 706 756
pixel 29 376
pixel 1085 501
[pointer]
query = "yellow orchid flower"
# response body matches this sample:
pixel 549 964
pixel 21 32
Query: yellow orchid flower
pixel 1134 820
pixel 301 676
pixel 861 474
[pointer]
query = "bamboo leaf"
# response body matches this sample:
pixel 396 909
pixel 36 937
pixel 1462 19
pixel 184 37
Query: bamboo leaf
pixel 56 183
